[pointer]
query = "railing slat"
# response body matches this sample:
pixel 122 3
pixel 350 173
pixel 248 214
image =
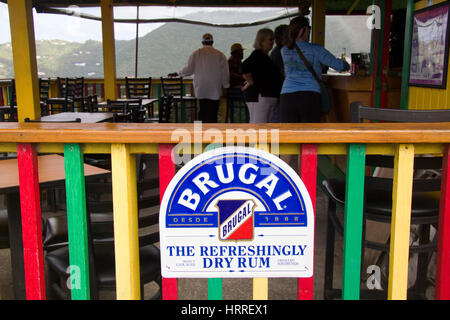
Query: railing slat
pixel 33 254
pixel 401 222
pixel 77 221
pixel 353 220
pixel 126 239
pixel 442 290
pixel 308 174
pixel 166 173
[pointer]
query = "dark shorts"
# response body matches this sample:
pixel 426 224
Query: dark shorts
pixel 300 106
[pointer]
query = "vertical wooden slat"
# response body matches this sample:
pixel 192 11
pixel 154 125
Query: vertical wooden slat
pixel 77 220
pixel 308 174
pixel 33 254
pixel 166 173
pixel 126 238
pixel 261 285
pixel 260 288
pixel 442 289
pixel 214 284
pixel 353 221
pixel 109 50
pixel 401 220
pixel 404 98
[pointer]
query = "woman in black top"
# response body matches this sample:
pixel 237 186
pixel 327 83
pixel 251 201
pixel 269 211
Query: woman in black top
pixel 263 79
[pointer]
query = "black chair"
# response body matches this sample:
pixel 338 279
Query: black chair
pixel 138 88
pixel 63 103
pixel 236 102
pixel 44 95
pixel 74 90
pixel 378 203
pixel 9 112
pixel 174 87
pixel 101 239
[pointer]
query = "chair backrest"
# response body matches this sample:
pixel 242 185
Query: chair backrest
pixel 421 183
pixel 172 86
pixel 74 87
pixel 359 113
pixel 117 106
pixel 165 108
pixel 138 87
pixel 44 89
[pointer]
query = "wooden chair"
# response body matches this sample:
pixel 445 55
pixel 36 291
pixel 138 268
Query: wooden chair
pixel 136 88
pixel 44 95
pixel 64 102
pixel 174 87
pixel 378 202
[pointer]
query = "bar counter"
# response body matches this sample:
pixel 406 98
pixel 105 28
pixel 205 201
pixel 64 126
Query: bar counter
pixel 348 88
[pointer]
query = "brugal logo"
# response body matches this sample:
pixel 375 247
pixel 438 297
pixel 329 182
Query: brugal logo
pixel 235 219
pixel 236 212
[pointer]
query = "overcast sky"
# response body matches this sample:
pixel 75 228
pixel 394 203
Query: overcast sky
pixel 52 26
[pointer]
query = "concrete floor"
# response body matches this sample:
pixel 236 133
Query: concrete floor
pixel 193 289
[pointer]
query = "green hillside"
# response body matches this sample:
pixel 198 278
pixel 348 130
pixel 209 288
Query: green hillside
pixel 167 48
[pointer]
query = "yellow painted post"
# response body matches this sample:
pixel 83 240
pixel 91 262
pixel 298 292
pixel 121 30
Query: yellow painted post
pixel 318 22
pixel 261 285
pixel 126 238
pixel 401 221
pixel 109 49
pixel 24 58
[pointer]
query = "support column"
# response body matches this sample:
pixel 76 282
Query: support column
pixel 24 58
pixel 318 22
pixel 109 49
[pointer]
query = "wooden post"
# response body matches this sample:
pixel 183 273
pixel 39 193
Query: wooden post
pixel 77 220
pixel 353 221
pixel 401 221
pixel 24 58
pixel 126 231
pixel 318 22
pixel 33 254
pixel 109 49
pixel 166 173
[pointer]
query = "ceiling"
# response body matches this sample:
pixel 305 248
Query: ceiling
pixel 332 6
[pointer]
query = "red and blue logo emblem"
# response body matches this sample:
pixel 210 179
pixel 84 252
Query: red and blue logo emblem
pixel 235 219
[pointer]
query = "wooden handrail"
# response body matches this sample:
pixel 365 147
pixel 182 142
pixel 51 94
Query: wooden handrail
pixel 170 133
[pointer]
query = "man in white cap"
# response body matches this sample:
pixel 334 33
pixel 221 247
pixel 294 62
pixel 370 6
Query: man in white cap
pixel 209 67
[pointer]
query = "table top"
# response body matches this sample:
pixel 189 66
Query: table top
pixel 51 169
pixel 145 102
pixel 86 117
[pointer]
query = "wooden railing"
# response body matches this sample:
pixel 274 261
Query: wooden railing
pixel 124 141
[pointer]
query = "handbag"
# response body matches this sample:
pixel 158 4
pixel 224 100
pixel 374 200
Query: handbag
pixel 327 102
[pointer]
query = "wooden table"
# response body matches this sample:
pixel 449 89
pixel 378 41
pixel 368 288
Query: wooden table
pixel 86 117
pixel 51 173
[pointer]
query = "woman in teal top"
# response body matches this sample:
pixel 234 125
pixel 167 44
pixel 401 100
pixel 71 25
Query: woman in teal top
pixel 300 99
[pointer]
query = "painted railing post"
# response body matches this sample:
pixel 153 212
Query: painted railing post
pixel 166 173
pixel 126 238
pixel 308 174
pixel 77 222
pixel 353 221
pixel 401 222
pixel 214 284
pixel 33 254
pixel 442 289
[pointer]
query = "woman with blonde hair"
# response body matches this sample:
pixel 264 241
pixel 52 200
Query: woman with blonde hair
pixel 262 79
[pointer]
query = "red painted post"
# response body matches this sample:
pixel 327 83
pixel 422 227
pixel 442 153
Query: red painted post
pixel 166 173
pixel 442 288
pixel 33 254
pixel 308 174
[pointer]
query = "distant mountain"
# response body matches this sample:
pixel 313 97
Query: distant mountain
pixel 167 48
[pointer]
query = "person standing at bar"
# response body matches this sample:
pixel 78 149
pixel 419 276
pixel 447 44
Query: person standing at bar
pixel 281 39
pixel 263 79
pixel 300 99
pixel 209 67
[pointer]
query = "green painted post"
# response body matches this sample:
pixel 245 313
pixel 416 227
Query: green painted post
pixel 404 100
pixel 353 221
pixel 214 284
pixel 77 222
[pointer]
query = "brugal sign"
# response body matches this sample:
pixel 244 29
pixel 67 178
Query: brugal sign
pixel 236 212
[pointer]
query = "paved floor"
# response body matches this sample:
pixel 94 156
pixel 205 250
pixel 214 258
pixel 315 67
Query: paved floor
pixel 279 289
